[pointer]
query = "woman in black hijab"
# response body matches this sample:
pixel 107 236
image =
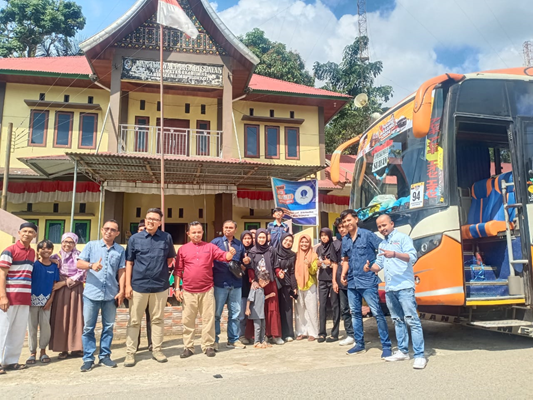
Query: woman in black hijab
pixel 327 256
pixel 247 241
pixel 287 287
pixel 262 257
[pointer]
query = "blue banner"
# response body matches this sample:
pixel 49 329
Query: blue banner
pixel 299 200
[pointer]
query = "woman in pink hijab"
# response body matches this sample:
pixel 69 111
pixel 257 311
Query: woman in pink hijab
pixel 67 308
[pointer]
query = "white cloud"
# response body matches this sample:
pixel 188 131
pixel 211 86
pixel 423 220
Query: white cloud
pixel 488 34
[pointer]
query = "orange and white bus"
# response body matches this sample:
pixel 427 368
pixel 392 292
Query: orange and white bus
pixel 453 166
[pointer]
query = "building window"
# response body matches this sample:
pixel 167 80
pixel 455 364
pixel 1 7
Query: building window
pixel 29 207
pixel 251 112
pixel 291 114
pixel 200 213
pixel 142 105
pixel 138 212
pixel 272 113
pixel 38 128
pixel 187 108
pixel 251 141
pixel 90 100
pixel 54 230
pixel 292 143
pixel 56 207
pixel 82 228
pixel 180 213
pixel 169 213
pixel 271 141
pixel 202 109
pixel 88 127
pixel 202 138
pixel 66 98
pixel 141 134
pixel 158 106
pixel 42 96
pixel 63 129
pixel 83 208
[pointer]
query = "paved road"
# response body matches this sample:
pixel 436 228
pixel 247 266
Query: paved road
pixel 463 364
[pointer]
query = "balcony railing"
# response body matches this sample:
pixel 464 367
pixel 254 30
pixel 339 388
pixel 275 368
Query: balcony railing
pixel 140 139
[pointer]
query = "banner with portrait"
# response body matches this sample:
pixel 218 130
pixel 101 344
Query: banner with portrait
pixel 299 200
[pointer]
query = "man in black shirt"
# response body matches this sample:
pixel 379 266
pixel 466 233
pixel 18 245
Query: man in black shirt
pixel 148 257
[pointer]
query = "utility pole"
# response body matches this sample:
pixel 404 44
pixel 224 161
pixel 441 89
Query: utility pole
pixel 6 166
pixel 528 53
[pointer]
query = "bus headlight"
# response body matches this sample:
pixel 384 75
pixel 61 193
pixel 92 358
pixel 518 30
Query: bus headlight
pixel 427 244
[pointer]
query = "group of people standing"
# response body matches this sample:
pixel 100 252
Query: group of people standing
pixel 273 294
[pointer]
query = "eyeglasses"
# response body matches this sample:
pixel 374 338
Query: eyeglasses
pixel 152 220
pixel 112 230
pixel 69 243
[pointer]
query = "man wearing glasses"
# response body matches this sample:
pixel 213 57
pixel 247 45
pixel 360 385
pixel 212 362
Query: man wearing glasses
pixel 105 261
pixel 148 257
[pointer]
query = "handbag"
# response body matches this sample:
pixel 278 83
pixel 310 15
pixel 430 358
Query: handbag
pixel 234 266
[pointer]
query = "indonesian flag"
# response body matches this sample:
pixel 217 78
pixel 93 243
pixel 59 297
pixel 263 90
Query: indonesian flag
pixel 170 13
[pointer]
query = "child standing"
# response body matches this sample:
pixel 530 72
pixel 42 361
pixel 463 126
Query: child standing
pixel 45 275
pixel 256 299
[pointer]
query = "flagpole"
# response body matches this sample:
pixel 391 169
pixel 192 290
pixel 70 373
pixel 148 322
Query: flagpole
pixel 162 127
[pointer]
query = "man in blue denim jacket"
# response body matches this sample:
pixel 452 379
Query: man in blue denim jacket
pixel 396 257
pixel 359 248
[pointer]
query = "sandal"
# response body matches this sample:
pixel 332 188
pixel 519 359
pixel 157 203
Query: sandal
pixel 31 360
pixel 258 345
pixel 15 367
pixel 2 371
pixel 44 359
pixel 300 337
pixel 63 355
pixel 311 338
pixel 76 354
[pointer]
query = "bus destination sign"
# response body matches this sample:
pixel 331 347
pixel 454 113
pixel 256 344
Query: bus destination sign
pixel 173 72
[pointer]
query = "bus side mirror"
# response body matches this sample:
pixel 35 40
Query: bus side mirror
pixel 423 102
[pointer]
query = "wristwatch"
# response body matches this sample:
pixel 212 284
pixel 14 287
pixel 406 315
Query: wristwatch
pixel 90 265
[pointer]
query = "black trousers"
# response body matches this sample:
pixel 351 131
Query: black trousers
pixel 285 311
pixel 345 312
pixel 325 292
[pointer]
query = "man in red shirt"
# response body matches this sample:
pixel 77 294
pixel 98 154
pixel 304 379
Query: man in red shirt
pixel 16 266
pixel 194 265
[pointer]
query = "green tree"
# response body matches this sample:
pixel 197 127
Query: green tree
pixel 352 76
pixel 276 61
pixel 27 25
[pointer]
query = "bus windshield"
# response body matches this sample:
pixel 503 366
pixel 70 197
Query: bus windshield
pixel 395 171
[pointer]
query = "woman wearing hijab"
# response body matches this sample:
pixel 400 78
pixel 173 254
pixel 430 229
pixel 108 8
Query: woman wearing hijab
pixel 67 308
pixel 247 241
pixel 262 257
pixel 306 305
pixel 327 257
pixel 287 287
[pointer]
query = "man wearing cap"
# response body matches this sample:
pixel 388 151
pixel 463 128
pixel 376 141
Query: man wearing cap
pixel 277 227
pixel 16 266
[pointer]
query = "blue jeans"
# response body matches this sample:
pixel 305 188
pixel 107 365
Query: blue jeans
pixel 232 297
pixel 91 308
pixel 355 298
pixel 402 307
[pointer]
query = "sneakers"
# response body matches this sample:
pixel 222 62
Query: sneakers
pixel 356 350
pixel 210 352
pixel 288 339
pixel 420 363
pixel 236 345
pixel 159 357
pixel 347 341
pixel 130 360
pixel 397 356
pixel 386 353
pixel 107 362
pixel 87 366
pixel 277 340
pixel 186 353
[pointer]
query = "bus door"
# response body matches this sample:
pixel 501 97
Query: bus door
pixel 521 146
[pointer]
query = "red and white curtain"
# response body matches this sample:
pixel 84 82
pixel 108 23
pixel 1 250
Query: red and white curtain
pixel 52 192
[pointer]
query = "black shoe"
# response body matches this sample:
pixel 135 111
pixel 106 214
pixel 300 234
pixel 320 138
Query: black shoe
pixel 108 362
pixel 321 339
pixel 150 347
pixel 331 339
pixel 186 353
pixel 210 352
pixel 87 366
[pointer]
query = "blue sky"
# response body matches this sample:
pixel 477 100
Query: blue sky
pixel 415 39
